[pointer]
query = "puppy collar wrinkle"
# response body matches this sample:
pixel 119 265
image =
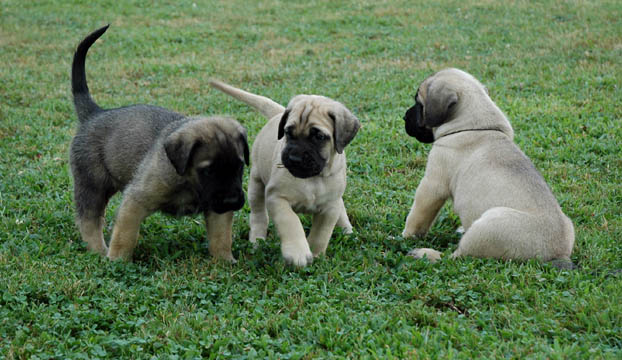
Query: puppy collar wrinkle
pixel 459 131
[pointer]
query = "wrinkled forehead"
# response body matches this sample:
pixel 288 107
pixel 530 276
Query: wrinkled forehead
pixel 434 80
pixel 307 111
pixel 452 78
pixel 222 144
pixel 218 154
pixel 422 91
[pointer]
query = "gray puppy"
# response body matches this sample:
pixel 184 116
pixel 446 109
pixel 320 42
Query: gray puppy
pixel 505 206
pixel 161 160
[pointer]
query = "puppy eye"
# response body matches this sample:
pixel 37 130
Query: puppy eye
pixel 206 171
pixel 289 132
pixel 319 136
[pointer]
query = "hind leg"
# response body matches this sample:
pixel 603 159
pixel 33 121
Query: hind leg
pixel 91 230
pixel 124 239
pixel 259 214
pixel 505 233
pixel 343 221
pixel 90 207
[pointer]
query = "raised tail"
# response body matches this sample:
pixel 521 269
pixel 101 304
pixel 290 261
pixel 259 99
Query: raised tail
pixel 85 106
pixel 266 106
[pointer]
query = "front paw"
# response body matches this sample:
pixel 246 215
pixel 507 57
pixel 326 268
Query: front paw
pixel 255 235
pixel 297 257
pixel 101 250
pixel 226 256
pixel 431 254
pixel 118 255
pixel 346 230
pixel 317 247
pixel 413 231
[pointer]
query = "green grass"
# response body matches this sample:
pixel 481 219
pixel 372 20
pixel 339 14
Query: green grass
pixel 553 67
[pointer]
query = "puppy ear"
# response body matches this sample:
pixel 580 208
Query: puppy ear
pixel 243 139
pixel 282 123
pixel 179 148
pixel 245 147
pixel 438 105
pixel 346 125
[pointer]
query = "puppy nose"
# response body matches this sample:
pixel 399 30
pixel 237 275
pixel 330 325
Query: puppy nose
pixel 295 158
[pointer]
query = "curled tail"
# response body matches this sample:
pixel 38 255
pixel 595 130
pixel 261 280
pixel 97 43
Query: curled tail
pixel 85 106
pixel 266 106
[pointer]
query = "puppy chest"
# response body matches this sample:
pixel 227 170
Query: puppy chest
pixel 305 195
pixel 312 201
pixel 183 203
pixel 305 205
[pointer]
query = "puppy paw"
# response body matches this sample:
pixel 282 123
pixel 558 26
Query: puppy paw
pixel 101 250
pixel 411 233
pixel 323 253
pixel 346 230
pixel 119 257
pixel 300 259
pixel 224 256
pixel 420 253
pixel 253 236
pixel 254 240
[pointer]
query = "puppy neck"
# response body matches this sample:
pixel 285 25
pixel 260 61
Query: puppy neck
pixel 460 131
pixel 476 112
pixel 334 165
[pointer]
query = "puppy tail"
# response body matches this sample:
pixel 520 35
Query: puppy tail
pixel 85 106
pixel 266 106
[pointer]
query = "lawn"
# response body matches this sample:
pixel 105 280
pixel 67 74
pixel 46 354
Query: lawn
pixel 553 67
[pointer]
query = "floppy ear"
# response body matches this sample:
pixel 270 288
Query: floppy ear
pixel 346 125
pixel 438 105
pixel 179 147
pixel 282 123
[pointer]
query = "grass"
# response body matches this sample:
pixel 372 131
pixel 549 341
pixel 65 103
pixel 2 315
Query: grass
pixel 553 67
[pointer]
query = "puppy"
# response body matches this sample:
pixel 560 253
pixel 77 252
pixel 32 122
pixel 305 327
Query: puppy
pixel 298 166
pixel 160 159
pixel 505 206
